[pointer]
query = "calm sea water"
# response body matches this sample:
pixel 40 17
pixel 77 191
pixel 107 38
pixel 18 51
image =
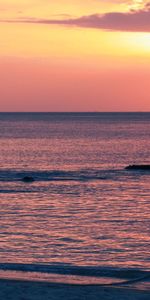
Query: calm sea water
pixel 84 210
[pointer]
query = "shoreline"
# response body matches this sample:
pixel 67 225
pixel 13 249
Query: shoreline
pixel 14 289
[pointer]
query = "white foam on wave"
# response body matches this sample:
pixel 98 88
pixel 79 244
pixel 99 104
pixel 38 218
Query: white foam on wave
pixel 76 275
pixel 58 278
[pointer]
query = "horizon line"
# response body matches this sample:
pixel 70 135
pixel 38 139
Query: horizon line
pixel 69 112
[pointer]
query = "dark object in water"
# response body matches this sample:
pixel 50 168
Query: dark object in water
pixel 28 179
pixel 138 167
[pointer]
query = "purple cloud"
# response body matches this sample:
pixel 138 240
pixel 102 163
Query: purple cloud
pixel 138 21
pixel 134 21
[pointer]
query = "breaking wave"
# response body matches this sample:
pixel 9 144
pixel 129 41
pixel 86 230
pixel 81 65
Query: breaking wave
pixel 63 175
pixel 66 273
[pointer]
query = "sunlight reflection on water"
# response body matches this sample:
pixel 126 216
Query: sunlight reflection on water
pixel 99 221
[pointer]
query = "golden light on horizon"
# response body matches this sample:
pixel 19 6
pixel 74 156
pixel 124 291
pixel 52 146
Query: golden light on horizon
pixel 25 40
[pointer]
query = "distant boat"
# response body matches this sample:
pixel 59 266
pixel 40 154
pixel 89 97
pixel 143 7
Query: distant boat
pixel 138 167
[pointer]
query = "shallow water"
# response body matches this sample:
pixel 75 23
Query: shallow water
pixel 84 208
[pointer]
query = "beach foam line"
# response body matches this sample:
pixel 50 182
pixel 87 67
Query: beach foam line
pixel 74 279
pixel 70 269
pixel 74 274
pixel 59 278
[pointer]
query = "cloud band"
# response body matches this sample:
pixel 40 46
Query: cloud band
pixel 134 21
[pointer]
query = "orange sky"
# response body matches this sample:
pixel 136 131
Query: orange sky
pixel 74 55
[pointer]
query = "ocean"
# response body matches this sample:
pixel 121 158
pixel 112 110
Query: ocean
pixel 84 216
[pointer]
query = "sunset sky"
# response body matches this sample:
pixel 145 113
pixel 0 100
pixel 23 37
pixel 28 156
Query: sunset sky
pixel 74 55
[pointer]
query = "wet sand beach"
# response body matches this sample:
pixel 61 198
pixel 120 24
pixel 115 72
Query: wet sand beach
pixel 27 290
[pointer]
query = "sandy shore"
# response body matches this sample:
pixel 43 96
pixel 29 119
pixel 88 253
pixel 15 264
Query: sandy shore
pixel 27 290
